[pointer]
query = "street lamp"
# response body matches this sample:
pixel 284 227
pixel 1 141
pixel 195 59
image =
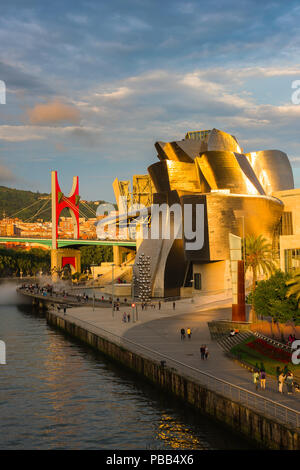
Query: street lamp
pixel 192 282
pixel 112 287
pixel 93 274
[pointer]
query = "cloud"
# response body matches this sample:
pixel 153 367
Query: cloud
pixel 120 93
pixel 53 113
pixel 18 78
pixel 19 133
pixel 295 161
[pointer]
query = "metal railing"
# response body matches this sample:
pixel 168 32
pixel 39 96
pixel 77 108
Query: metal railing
pixel 268 407
pixel 274 342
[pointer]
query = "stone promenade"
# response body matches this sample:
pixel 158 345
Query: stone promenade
pixel 156 334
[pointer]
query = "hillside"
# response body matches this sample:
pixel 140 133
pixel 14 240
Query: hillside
pixel 30 206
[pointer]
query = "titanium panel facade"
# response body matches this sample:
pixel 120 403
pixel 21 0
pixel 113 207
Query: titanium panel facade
pixel 209 167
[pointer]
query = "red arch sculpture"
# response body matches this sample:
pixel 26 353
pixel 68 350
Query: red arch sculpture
pixel 60 201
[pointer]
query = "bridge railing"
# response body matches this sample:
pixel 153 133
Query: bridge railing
pixel 265 405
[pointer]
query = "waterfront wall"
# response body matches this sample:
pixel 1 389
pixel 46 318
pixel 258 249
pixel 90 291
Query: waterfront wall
pixel 266 432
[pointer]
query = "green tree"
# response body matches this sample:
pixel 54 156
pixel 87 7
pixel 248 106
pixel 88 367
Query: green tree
pixel 14 261
pixel 294 287
pixel 95 255
pixel 270 299
pixel 259 257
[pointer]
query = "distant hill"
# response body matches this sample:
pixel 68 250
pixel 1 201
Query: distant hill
pixel 30 206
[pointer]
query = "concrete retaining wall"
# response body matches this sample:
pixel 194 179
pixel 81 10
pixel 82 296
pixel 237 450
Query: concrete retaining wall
pixel 265 431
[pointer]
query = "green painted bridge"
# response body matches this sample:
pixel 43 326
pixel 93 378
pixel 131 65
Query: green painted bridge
pixel 63 242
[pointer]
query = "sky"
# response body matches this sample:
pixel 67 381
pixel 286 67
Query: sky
pixel 92 85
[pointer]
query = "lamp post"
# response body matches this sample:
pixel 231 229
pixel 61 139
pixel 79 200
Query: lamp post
pixel 93 274
pixel 132 303
pixel 192 282
pixel 112 288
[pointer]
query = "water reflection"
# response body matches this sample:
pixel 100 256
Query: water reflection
pixel 55 393
pixel 177 435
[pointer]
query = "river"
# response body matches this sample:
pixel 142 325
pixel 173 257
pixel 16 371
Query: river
pixel 58 394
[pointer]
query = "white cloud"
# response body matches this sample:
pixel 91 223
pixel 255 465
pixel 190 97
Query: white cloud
pixel 117 94
pixel 19 133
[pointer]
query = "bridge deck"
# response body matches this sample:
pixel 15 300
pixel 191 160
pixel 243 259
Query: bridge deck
pixel 63 242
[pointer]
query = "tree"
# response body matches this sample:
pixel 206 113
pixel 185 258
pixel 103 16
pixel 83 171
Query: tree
pixel 270 299
pixel 259 257
pixel 14 261
pixel 294 287
pixel 95 255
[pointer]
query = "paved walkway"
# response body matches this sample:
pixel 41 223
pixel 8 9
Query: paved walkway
pixel 159 331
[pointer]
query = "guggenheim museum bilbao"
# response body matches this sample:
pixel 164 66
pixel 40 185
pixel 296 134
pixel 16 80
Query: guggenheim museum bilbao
pixel 240 193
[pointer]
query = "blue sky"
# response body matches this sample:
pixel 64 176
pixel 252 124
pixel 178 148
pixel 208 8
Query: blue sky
pixel 91 85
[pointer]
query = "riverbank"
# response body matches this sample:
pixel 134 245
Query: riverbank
pixel 67 396
pixel 218 387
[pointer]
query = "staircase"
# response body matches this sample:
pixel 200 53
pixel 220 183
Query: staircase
pixel 120 272
pixel 227 342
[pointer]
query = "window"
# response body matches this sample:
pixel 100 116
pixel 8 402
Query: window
pixel 292 260
pixel 287 224
pixel 197 281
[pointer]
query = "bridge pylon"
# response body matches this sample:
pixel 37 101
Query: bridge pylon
pixel 60 257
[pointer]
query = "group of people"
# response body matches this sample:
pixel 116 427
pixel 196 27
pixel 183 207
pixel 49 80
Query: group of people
pixel 283 377
pixel 126 317
pixel 291 339
pixel 37 289
pixel 188 332
pixel 233 332
pixel 203 349
pixel 204 352
pixel 259 377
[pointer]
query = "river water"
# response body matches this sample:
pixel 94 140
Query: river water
pixel 58 394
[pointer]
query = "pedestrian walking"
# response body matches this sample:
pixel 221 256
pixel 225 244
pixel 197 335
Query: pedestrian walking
pixel 128 317
pixel 182 333
pixel 202 352
pixel 174 305
pixel 189 333
pixel 124 317
pixel 255 376
pixel 262 380
pixel 278 372
pixel 289 383
pixel 281 380
pixel 206 352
